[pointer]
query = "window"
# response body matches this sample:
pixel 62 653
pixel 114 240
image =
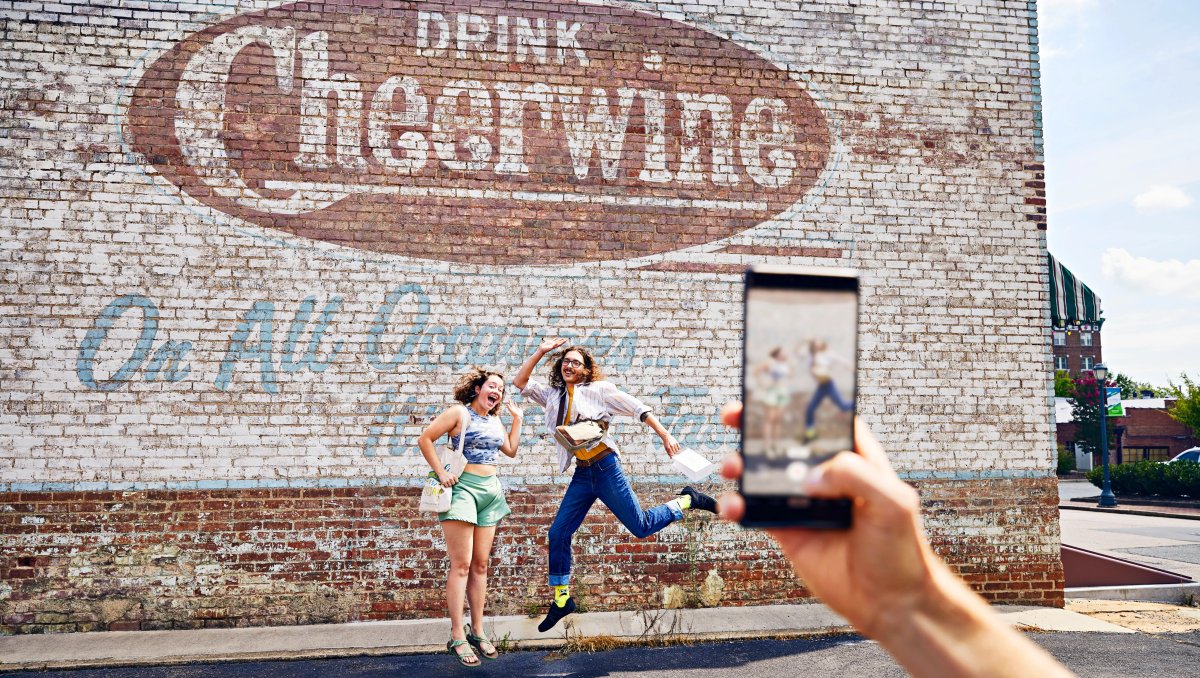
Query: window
pixel 1060 362
pixel 1060 338
pixel 1135 454
pixel 1088 362
pixel 1085 338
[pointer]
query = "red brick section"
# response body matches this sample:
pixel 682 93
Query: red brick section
pixel 1141 427
pixel 82 561
pixel 1036 202
pixel 998 560
pixel 1074 350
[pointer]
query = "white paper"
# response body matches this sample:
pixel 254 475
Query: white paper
pixel 691 464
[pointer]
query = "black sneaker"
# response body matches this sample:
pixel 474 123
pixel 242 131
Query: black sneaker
pixel 699 499
pixel 556 613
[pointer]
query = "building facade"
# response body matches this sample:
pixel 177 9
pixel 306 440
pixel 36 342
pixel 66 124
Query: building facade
pixel 249 246
pixel 1076 321
pixel 1146 433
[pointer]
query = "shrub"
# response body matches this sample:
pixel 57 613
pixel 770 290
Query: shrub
pixel 1066 461
pixel 1183 478
pixel 1148 478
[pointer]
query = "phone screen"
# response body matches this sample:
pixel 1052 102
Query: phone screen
pixel 798 381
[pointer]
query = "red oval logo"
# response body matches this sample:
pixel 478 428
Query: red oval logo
pixel 537 135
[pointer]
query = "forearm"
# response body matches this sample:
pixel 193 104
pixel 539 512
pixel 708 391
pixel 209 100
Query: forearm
pixel 951 631
pixel 428 451
pixel 526 369
pixel 514 439
pixel 653 422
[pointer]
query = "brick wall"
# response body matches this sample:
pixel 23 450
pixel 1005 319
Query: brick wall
pixel 248 246
pixel 1143 427
pixel 1074 350
pixel 1146 424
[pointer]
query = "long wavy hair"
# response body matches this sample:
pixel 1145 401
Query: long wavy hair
pixel 469 384
pixel 591 370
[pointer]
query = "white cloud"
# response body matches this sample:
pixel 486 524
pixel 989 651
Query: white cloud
pixel 1067 22
pixel 1158 198
pixel 1153 346
pixel 1055 13
pixel 1168 278
pixel 1161 149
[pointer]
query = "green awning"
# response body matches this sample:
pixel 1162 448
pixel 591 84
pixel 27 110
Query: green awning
pixel 1071 302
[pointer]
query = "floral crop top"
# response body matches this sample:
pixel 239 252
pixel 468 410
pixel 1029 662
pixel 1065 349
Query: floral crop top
pixel 485 435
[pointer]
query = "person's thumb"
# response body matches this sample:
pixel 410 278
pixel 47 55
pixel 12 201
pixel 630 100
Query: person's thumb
pixel 850 475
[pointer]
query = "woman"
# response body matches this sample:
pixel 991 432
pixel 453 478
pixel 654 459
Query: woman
pixel 477 500
pixel 772 378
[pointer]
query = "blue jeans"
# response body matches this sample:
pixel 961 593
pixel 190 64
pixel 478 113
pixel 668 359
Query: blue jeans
pixel 825 389
pixel 605 481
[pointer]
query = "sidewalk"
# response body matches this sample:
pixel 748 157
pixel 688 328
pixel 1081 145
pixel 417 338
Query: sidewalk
pixel 1081 495
pixel 127 648
pixel 1133 510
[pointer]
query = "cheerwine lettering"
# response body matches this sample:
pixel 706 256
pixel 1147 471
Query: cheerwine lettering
pixel 542 135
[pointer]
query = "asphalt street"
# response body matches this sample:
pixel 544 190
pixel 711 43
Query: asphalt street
pixel 1088 654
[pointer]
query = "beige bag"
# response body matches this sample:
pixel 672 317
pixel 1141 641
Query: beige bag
pixel 581 436
pixel 435 496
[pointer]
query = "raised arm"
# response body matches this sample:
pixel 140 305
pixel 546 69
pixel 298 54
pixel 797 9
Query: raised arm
pixel 510 445
pixel 443 424
pixel 526 369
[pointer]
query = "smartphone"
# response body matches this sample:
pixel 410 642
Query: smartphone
pixel 799 366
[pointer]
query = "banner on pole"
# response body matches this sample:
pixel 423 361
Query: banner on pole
pixel 1115 407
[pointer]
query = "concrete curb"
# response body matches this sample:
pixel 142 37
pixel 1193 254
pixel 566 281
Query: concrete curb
pixel 1175 594
pixel 1055 619
pixel 1143 502
pixel 419 636
pixel 1132 512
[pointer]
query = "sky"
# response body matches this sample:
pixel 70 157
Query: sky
pixel 1121 116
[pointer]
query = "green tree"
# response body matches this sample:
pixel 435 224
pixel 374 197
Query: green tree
pixel 1064 385
pixel 1086 399
pixel 1186 409
pixel 1132 390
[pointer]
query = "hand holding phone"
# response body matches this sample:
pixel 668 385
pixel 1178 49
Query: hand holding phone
pixel 883 577
pixel 798 389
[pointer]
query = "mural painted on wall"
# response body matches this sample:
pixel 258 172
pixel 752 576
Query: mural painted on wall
pixel 265 345
pixel 451 131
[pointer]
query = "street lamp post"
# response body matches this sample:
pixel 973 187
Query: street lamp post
pixel 1107 498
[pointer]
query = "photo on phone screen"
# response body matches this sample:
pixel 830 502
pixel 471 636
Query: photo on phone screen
pixel 798 386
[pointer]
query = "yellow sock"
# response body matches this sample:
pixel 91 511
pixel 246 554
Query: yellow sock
pixel 561 593
pixel 684 501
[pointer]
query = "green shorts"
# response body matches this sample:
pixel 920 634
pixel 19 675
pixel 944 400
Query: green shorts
pixel 478 500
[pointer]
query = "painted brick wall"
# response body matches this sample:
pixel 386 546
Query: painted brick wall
pixel 248 246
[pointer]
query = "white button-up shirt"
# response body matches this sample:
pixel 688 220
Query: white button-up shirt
pixel 593 400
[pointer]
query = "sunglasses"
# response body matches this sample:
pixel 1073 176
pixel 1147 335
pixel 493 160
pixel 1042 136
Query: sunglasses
pixel 568 362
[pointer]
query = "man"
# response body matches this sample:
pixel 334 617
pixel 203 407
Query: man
pixel 578 391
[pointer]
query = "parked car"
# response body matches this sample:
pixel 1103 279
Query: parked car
pixel 1192 454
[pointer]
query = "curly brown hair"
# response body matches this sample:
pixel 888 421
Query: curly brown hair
pixel 591 370
pixel 469 384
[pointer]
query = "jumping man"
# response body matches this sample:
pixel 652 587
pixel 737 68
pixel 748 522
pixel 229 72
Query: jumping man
pixel 578 390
